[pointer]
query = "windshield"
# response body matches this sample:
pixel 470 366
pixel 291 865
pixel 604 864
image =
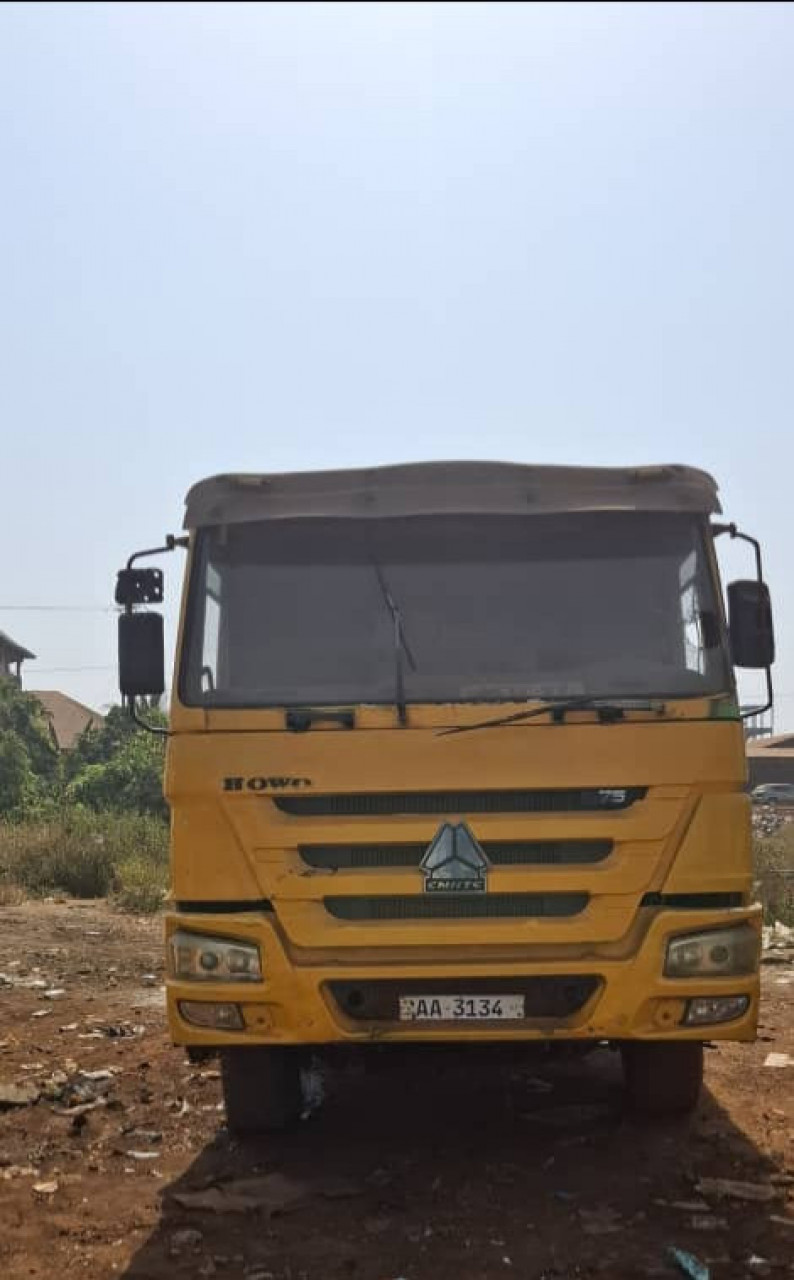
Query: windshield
pixel 292 612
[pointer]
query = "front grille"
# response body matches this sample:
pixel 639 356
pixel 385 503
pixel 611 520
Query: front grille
pixel 515 853
pixel 486 906
pixel 382 804
pixel 378 1000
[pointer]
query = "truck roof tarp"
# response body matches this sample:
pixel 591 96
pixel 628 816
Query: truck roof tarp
pixel 460 488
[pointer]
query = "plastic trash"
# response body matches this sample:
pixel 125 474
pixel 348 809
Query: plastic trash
pixel 689 1265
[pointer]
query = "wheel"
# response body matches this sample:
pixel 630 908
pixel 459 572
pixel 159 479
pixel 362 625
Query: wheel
pixel 662 1077
pixel 261 1088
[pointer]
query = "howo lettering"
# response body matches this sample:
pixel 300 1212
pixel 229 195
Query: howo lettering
pixel 455 756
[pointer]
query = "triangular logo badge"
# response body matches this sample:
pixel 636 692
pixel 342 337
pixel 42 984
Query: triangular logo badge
pixel 454 862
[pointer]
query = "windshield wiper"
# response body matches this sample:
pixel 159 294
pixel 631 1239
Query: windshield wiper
pixel 608 712
pixel 401 646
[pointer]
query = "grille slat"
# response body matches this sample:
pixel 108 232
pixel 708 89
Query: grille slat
pixel 379 804
pixel 486 906
pixel 513 853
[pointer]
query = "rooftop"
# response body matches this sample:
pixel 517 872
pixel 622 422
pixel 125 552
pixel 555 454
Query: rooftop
pixel 68 717
pixel 15 652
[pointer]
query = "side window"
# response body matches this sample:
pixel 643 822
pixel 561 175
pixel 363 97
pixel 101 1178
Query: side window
pixel 694 649
pixel 212 621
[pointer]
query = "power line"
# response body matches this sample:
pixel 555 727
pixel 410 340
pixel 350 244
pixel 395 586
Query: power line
pixel 56 608
pixel 46 671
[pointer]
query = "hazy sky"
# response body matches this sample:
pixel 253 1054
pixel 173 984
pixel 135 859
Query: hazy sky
pixel 273 237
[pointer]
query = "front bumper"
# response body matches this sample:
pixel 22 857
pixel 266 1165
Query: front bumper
pixel 624 994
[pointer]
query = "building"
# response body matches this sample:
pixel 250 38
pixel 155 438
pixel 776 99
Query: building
pixel 68 718
pixel 12 655
pixel 771 759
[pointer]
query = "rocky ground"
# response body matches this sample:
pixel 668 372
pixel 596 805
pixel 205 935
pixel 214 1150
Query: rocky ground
pixel 114 1159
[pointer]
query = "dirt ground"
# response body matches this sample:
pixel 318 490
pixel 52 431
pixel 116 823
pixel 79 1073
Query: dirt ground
pixel 423 1167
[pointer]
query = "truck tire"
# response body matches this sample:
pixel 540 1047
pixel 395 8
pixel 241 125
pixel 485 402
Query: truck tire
pixel 662 1077
pixel 261 1088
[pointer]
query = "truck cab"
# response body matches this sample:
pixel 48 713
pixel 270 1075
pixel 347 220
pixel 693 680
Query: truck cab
pixel 455 756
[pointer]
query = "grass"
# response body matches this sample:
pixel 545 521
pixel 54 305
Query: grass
pixel 123 857
pixel 774 870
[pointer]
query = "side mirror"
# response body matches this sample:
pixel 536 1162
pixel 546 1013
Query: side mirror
pixel 141 655
pixel 750 624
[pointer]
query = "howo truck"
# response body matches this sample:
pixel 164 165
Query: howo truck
pixel 454 757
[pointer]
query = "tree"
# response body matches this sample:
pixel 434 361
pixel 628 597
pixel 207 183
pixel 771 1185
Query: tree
pixel 29 764
pixel 22 714
pixel 119 766
pixel 16 776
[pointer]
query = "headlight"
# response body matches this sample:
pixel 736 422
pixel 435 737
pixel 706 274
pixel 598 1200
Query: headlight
pixel 197 957
pixel 714 953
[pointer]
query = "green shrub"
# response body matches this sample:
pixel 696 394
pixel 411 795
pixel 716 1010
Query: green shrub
pixel 140 885
pixel 81 853
pixel 774 870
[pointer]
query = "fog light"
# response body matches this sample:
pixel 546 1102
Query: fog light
pixel 206 1013
pixel 703 1009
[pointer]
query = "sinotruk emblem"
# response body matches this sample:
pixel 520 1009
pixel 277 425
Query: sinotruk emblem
pixel 454 862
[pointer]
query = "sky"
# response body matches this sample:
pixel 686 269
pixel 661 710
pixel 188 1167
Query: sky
pixel 268 237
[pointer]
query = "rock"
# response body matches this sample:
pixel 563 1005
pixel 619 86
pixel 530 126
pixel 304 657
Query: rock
pixel 600 1222
pixel 570 1114
pixel 731 1189
pixel 188 1238
pixel 271 1193
pixel 19 1095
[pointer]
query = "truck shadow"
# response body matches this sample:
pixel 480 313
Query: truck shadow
pixel 444 1165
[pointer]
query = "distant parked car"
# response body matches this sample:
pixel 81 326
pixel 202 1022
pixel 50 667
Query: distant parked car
pixel 774 793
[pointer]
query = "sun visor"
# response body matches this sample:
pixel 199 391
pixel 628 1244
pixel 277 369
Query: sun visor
pixel 455 488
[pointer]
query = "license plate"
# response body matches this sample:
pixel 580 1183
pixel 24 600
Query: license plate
pixel 432 1008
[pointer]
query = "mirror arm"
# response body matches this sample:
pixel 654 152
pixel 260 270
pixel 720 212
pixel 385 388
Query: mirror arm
pixel 731 529
pixel 156 729
pixel 171 543
pixel 767 706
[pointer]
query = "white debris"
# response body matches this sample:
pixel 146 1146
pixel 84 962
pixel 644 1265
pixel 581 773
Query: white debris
pixel 777 936
pixel 19 1095
pixel 778 1060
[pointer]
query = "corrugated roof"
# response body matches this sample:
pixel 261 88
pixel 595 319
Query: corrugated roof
pixel 68 717
pixel 461 488
pixel 17 650
pixel 771 746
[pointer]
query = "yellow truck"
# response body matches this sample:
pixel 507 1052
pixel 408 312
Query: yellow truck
pixel 454 755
